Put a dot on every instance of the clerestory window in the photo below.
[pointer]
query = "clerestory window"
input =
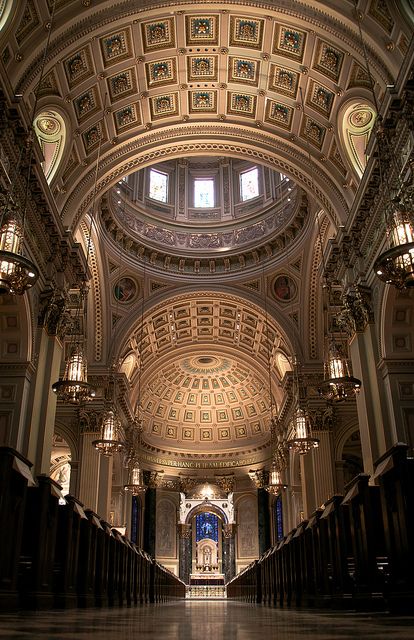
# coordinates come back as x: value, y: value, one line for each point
x: 249, y: 184
x: 158, y: 187
x: 204, y: 192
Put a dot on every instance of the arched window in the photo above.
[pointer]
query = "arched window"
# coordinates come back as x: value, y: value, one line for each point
x: 51, y: 132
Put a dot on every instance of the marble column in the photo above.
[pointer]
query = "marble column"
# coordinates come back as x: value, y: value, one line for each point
x: 149, y: 519
x: 323, y: 467
x: 308, y: 484
x: 371, y: 400
x: 15, y: 384
x: 42, y: 418
x: 184, y: 535
x: 399, y: 388
x: 89, y: 472
x: 263, y: 520
x: 363, y: 349
x: 229, y: 551
x: 105, y: 486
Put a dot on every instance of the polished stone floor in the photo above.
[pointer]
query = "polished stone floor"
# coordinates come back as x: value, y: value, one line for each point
x: 202, y: 620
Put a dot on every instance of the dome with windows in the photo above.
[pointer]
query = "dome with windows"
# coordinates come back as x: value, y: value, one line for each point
x: 205, y: 214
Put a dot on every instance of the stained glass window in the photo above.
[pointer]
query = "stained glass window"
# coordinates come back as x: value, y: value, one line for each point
x: 249, y: 184
x: 206, y: 526
x: 204, y: 192
x: 135, y: 519
x: 279, y: 518
x: 158, y: 189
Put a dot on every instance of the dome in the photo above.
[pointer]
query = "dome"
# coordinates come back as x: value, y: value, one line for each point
x: 199, y: 403
x: 204, y: 214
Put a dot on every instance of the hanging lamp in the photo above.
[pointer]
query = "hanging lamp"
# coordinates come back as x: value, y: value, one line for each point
x: 275, y: 484
x: 136, y: 483
x: 395, y: 265
x: 112, y: 438
x: 110, y: 441
x: 17, y: 272
x: 273, y: 479
x: 338, y: 383
x: 74, y: 386
x: 301, y: 440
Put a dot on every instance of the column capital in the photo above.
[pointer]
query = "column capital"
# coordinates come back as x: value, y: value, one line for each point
x: 229, y: 530
x: 52, y: 313
x: 184, y: 531
x: 357, y: 310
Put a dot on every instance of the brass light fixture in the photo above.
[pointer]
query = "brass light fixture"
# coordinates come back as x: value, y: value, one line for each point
x: 17, y: 272
x: 110, y: 441
x: 73, y: 387
x: 112, y: 437
x: 338, y: 383
x: 136, y: 483
x: 395, y: 265
x: 301, y: 440
x: 275, y: 484
x: 273, y: 479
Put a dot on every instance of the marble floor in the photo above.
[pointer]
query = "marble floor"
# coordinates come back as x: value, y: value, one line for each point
x: 200, y: 620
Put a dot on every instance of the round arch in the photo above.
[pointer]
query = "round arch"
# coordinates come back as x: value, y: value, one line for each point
x: 190, y: 139
x: 204, y: 507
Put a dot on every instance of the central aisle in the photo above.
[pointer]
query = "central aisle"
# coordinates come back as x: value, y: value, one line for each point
x: 201, y: 620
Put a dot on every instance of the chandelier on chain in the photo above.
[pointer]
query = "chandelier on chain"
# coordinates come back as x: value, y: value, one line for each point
x: 110, y: 440
x: 395, y: 265
x: 73, y: 387
x: 17, y: 271
x: 338, y: 383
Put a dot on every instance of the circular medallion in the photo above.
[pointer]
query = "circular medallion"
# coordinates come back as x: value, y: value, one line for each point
x: 125, y: 290
x: 284, y: 288
x: 360, y: 118
x: 48, y: 125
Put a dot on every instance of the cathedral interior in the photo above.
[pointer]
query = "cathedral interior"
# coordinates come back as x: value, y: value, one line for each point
x: 206, y: 294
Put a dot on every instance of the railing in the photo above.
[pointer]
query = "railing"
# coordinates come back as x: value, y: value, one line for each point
x: 66, y: 556
x: 353, y: 553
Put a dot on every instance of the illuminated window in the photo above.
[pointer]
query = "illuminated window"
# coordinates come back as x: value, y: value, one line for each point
x: 204, y: 192
x: 249, y: 184
x: 158, y: 189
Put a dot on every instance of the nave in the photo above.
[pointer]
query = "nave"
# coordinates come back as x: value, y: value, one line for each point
x: 196, y: 620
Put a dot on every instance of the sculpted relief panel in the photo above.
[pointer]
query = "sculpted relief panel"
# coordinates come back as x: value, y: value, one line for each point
x: 247, y: 530
x: 166, y: 543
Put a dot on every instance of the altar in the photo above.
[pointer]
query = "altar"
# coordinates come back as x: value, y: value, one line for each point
x: 208, y: 579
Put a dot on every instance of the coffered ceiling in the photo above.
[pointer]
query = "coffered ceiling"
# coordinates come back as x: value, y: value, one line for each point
x: 268, y: 82
x: 280, y: 84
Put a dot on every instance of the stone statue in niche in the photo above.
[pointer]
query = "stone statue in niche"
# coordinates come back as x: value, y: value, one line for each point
x: 207, y: 556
